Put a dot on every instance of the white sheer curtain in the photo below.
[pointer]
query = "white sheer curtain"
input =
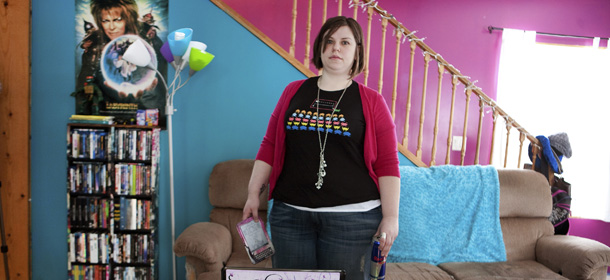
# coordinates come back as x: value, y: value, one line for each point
x: 556, y: 88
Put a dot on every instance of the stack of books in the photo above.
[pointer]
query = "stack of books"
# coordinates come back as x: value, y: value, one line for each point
x: 92, y: 119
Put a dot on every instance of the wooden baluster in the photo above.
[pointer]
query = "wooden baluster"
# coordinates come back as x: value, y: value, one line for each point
x: 454, y: 82
x: 465, y: 131
x: 355, y: 16
x: 339, y: 7
x: 479, y: 130
x: 324, y: 10
x: 493, y: 137
x: 423, y: 106
x: 384, y: 27
x: 395, y: 88
x: 368, y: 45
x: 535, y: 151
x: 508, y: 127
x: 405, y: 139
x: 308, y: 36
x: 293, y: 32
x: 521, y: 139
x: 441, y: 71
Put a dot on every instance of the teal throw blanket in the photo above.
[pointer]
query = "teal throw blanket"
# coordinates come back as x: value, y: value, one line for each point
x: 449, y: 214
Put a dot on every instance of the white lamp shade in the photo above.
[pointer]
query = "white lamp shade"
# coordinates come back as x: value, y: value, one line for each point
x: 137, y: 54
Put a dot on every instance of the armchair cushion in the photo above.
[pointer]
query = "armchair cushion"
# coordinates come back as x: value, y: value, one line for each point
x: 209, y: 242
x: 524, y: 193
x: 574, y: 257
x: 521, y: 235
x: 500, y: 270
x: 229, y: 184
x: 415, y: 270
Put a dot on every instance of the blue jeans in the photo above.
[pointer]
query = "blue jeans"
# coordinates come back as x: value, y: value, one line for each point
x: 322, y: 240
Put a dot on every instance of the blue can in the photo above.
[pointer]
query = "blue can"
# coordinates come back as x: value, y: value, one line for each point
x: 377, y: 263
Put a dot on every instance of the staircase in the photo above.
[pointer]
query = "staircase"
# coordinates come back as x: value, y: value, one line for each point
x: 438, y: 111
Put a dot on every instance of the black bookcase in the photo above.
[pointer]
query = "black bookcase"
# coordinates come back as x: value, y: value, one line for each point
x: 112, y: 212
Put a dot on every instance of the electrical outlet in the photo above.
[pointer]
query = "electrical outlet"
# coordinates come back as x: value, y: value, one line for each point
x: 456, y: 144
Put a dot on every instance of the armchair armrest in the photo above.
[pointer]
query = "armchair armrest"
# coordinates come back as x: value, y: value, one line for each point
x: 210, y: 243
x: 573, y: 257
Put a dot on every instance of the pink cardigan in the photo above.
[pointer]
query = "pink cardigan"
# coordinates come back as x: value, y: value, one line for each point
x: 380, y: 144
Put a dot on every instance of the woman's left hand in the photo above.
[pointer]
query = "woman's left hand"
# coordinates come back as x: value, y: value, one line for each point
x: 389, y: 226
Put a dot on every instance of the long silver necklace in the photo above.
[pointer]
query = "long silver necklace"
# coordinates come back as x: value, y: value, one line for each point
x: 323, y: 165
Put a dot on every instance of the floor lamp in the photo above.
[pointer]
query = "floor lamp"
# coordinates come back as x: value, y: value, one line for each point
x: 179, y: 51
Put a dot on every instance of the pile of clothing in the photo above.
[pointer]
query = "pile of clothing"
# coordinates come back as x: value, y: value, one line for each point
x: 548, y: 162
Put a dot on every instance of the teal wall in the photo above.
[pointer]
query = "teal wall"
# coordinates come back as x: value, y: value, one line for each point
x: 222, y: 114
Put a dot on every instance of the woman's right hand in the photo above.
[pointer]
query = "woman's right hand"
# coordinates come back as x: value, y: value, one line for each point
x: 251, y: 207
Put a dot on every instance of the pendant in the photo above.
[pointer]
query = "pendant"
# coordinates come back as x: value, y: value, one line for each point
x: 321, y: 172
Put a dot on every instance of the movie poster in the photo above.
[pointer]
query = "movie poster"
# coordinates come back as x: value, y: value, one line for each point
x: 105, y: 83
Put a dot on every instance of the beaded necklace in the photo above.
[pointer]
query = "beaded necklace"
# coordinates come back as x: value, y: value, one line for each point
x: 321, y: 168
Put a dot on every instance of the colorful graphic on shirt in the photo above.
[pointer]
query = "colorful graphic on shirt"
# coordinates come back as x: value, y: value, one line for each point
x: 307, y: 120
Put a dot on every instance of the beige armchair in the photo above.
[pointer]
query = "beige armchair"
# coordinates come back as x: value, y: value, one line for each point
x: 208, y: 246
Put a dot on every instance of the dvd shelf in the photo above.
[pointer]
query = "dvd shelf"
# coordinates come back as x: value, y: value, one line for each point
x: 112, y: 201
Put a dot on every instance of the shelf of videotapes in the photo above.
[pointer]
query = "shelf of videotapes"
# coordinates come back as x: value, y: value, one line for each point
x: 112, y: 201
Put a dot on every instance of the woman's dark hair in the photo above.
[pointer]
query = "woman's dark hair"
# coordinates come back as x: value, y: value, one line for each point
x: 331, y: 26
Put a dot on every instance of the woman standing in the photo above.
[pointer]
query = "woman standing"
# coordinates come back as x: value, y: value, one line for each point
x: 330, y: 158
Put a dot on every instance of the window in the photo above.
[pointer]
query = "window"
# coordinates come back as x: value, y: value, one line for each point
x: 557, y: 88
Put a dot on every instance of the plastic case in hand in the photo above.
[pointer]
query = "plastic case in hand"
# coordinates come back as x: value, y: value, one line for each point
x: 256, y: 240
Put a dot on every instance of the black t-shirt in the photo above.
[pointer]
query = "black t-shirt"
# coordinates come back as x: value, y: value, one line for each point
x: 347, y: 179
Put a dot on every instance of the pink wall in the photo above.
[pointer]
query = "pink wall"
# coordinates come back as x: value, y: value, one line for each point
x: 455, y: 29
x: 458, y: 31
x: 594, y: 229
